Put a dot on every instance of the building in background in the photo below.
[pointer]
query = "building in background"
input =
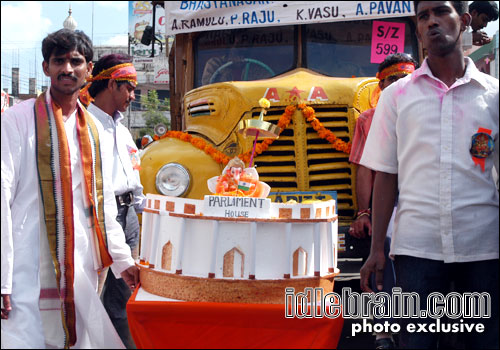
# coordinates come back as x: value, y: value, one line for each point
x: 146, y: 81
x: 152, y: 67
x: 152, y: 71
x: 486, y: 57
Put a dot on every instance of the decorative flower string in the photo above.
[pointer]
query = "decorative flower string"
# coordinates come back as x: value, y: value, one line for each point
x: 199, y: 143
x: 283, y: 123
x: 323, y: 132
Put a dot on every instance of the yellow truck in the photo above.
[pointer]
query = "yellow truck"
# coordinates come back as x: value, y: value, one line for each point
x: 229, y: 54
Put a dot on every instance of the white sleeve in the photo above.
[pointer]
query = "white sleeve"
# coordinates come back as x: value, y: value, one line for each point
x: 380, y: 152
x: 117, y: 247
x: 11, y: 158
x: 139, y: 197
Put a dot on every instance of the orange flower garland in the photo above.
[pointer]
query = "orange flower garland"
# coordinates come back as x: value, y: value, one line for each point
x: 283, y: 123
x: 323, y: 132
x: 199, y: 143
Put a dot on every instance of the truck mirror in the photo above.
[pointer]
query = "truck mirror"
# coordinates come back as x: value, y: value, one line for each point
x: 160, y: 129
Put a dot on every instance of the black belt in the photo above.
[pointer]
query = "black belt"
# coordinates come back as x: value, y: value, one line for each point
x: 125, y: 199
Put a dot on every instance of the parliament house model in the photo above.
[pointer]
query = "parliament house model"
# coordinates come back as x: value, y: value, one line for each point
x: 236, y: 249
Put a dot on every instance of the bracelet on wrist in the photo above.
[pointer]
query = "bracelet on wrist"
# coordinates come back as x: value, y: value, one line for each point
x: 361, y: 215
x: 364, y: 212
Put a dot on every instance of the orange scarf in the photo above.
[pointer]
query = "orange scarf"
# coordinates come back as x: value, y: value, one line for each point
x: 54, y: 173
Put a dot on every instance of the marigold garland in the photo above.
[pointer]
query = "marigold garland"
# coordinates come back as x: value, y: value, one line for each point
x: 283, y: 123
x: 323, y: 132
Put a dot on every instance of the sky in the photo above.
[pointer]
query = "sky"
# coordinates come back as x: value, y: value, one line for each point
x: 24, y: 25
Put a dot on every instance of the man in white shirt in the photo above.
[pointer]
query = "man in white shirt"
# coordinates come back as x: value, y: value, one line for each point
x: 432, y: 138
x: 391, y: 69
x: 111, y: 88
x: 58, y: 212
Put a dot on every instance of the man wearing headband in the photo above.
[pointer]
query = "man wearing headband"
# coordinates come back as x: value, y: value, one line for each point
x: 432, y: 142
x: 111, y: 90
x: 393, y: 67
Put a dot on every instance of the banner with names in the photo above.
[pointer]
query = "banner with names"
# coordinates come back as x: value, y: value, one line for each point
x: 194, y: 16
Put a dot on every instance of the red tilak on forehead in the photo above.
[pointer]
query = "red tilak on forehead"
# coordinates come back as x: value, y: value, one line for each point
x: 68, y: 56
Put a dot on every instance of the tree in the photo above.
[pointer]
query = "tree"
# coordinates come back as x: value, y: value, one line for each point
x: 154, y: 114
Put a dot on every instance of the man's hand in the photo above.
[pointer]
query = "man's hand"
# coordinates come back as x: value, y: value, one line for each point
x: 6, y: 307
x: 374, y: 264
x: 360, y: 226
x: 480, y: 38
x: 131, y: 277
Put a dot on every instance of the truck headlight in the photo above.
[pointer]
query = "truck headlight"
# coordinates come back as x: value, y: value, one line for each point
x: 172, y: 180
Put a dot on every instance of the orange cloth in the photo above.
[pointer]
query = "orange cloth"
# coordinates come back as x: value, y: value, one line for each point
x: 178, y: 324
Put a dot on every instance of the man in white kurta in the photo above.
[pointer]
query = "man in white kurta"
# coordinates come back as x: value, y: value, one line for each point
x: 24, y: 240
x: 21, y: 234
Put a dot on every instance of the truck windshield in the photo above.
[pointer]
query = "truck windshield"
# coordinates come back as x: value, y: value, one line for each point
x: 343, y: 49
x: 336, y: 49
x: 249, y: 54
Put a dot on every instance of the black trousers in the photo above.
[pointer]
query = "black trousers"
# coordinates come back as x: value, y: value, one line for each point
x: 425, y: 276
x: 116, y: 294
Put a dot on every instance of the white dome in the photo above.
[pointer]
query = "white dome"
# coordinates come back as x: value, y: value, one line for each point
x: 70, y: 23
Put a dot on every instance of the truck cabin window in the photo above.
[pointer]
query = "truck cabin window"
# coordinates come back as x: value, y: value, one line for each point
x: 336, y: 49
x: 343, y: 49
x: 244, y: 54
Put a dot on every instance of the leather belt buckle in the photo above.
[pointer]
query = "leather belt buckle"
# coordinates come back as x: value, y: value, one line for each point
x: 125, y: 199
x: 130, y: 198
x: 119, y: 201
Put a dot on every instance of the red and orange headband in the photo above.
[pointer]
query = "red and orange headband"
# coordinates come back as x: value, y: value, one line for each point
x: 120, y: 72
x: 396, y: 68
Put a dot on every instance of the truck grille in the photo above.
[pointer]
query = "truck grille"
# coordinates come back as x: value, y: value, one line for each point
x: 201, y: 108
x: 322, y: 168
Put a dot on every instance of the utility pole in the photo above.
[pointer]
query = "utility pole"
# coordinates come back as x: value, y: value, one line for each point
x: 130, y: 105
x: 92, y: 21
